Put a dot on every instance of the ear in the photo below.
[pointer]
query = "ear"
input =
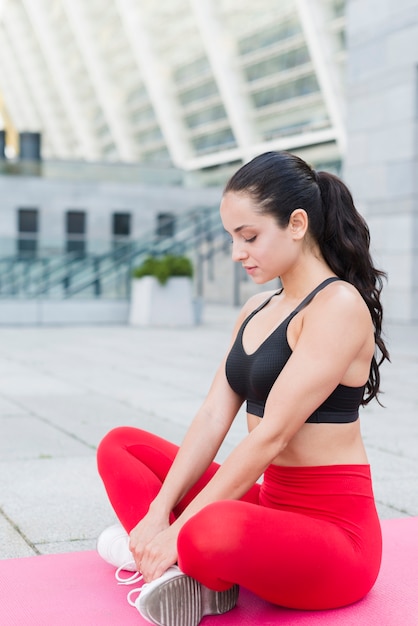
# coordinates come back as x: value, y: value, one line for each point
x: 298, y: 223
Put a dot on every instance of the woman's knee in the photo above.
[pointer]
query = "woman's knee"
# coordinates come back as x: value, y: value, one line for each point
x: 208, y: 539
x: 111, y: 444
x: 213, y: 530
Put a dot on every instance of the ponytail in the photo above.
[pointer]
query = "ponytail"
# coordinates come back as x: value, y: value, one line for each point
x: 280, y: 182
x: 345, y: 243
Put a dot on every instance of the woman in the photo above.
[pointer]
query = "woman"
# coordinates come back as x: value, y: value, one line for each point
x: 303, y: 359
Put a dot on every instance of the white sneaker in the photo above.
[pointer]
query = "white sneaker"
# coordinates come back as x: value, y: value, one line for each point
x: 113, y: 547
x: 175, y: 599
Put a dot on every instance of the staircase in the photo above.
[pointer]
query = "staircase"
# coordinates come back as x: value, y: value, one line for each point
x: 198, y: 234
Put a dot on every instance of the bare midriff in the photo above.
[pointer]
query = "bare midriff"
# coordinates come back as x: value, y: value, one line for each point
x: 321, y: 444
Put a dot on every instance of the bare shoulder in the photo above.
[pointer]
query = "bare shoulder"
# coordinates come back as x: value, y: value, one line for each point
x: 341, y: 303
x: 341, y: 294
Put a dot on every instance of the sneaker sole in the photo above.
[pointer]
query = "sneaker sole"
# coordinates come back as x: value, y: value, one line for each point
x: 182, y: 601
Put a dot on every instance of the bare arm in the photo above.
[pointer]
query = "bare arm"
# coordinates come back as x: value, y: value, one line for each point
x: 198, y: 449
x: 205, y: 434
x: 201, y: 443
x: 331, y: 338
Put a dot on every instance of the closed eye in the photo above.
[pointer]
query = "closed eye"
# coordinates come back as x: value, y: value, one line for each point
x: 246, y: 240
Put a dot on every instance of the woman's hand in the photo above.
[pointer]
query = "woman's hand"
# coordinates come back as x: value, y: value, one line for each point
x: 158, y: 554
x: 153, y: 543
x: 144, y: 532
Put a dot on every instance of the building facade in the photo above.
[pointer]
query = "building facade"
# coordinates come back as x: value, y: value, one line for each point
x: 193, y: 88
x: 380, y: 163
x: 198, y: 84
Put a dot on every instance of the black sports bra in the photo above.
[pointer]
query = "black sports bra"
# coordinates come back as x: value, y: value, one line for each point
x: 253, y: 375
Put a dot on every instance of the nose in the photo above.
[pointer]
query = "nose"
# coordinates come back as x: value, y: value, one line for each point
x: 238, y: 252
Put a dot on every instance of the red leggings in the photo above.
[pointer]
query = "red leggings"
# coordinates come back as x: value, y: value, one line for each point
x: 306, y: 538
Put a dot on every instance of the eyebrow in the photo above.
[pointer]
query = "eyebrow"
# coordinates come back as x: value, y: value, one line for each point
x: 239, y: 228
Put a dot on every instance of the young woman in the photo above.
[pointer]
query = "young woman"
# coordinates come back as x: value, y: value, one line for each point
x: 303, y: 358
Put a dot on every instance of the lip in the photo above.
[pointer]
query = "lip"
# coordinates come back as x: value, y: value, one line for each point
x: 249, y: 269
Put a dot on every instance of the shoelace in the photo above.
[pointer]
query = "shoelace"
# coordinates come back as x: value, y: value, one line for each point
x: 136, y: 577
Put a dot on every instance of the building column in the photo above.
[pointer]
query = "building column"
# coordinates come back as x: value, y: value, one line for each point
x: 221, y: 54
x: 96, y: 68
x: 157, y: 81
x: 60, y: 77
x: 314, y: 25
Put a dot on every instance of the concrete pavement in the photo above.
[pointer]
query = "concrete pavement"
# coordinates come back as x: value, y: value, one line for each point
x: 63, y: 388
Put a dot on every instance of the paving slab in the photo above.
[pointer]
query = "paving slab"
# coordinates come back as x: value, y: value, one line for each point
x: 62, y: 388
x: 54, y: 500
x: 10, y: 408
x: 12, y: 544
x: 87, y: 416
x: 28, y: 436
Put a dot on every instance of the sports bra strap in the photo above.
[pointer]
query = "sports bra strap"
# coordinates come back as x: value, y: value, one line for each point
x: 298, y: 308
x: 265, y: 302
x: 313, y: 293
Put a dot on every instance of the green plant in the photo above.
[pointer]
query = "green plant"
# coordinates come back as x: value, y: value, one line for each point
x: 164, y: 267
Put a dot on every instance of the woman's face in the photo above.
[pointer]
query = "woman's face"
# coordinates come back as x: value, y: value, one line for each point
x: 265, y: 250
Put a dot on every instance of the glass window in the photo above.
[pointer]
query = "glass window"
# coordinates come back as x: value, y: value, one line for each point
x: 27, y: 220
x: 76, y: 230
x: 159, y: 155
x: 121, y: 224
x: 198, y: 93
x: 121, y: 231
x: 205, y: 116
x: 76, y: 222
x: 150, y: 135
x: 76, y: 248
x: 166, y: 223
x: 143, y: 115
x: 279, y: 63
x: 224, y: 138
x: 292, y: 120
x: 287, y: 91
x: 195, y: 68
x: 28, y: 226
x: 269, y: 36
x: 27, y: 248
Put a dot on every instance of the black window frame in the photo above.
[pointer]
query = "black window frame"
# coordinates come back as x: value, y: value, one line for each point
x: 123, y: 219
x: 28, y: 219
x: 75, y: 233
x: 165, y: 225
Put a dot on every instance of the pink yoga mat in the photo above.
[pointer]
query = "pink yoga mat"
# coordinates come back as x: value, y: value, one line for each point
x: 79, y: 589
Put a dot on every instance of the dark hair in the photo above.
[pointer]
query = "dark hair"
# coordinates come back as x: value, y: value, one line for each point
x: 280, y: 182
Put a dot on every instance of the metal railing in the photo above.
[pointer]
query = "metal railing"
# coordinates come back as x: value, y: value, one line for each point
x: 108, y: 275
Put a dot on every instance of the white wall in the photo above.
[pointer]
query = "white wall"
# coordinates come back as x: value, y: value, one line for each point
x: 99, y: 199
x: 381, y: 161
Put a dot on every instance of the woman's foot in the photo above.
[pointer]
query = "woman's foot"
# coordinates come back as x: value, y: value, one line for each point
x: 113, y: 547
x: 175, y: 599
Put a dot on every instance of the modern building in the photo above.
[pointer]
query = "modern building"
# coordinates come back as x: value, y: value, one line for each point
x: 137, y: 97
x: 191, y: 83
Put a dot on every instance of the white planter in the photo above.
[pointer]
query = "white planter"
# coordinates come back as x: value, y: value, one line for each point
x: 153, y: 304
